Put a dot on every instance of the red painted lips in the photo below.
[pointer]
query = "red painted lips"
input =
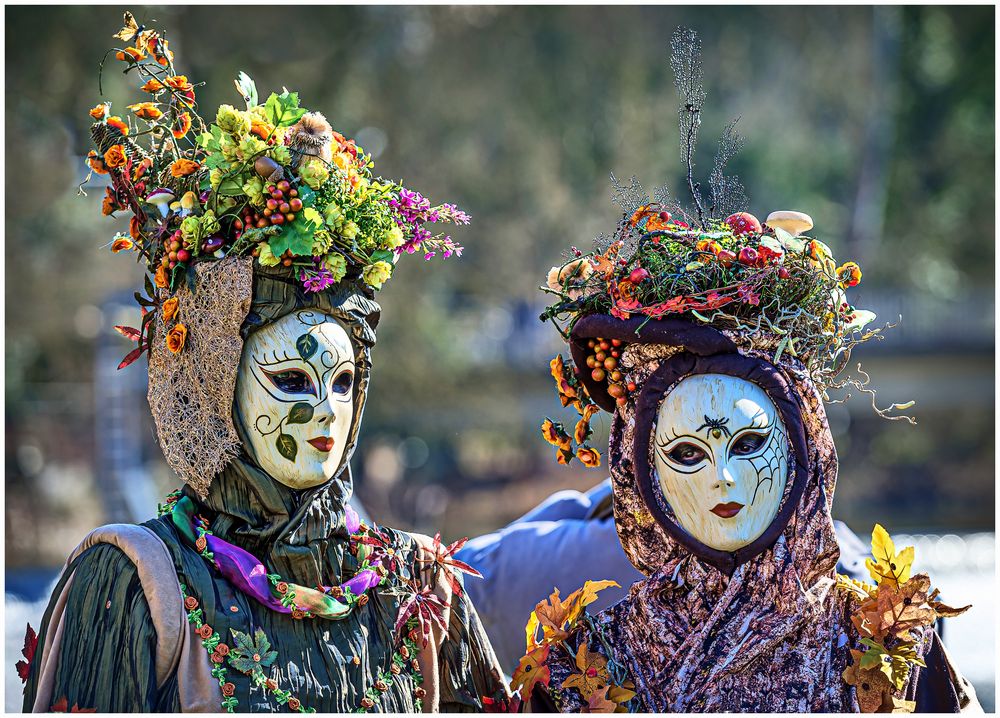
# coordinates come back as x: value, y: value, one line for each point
x: 322, y: 443
x: 727, y: 511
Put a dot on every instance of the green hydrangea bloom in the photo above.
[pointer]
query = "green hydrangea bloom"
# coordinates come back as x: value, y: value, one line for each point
x: 393, y: 238
x: 250, y: 146
x: 337, y: 265
x: 314, y: 173
x: 231, y: 120
x: 349, y: 230
x: 254, y: 189
x: 215, y: 177
x: 266, y: 257
x: 280, y: 154
x: 322, y: 241
x: 190, y: 229
x: 334, y: 216
x: 209, y: 224
x: 376, y: 274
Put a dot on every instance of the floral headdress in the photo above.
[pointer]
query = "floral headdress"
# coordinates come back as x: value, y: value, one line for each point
x: 767, y: 285
x: 272, y: 181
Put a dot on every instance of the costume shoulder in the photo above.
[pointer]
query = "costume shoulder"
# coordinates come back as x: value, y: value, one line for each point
x: 98, y: 624
x: 466, y: 666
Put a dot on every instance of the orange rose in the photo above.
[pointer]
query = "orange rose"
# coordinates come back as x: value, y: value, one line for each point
x: 121, y: 243
x: 170, y: 308
x: 555, y: 434
x: 153, y: 86
x: 160, y: 278
x: 96, y: 163
x: 183, y: 167
x: 205, y: 631
x: 129, y: 54
x: 582, y: 430
x: 190, y: 603
x: 115, y: 157
x: 228, y: 689
x: 294, y: 703
x: 179, y: 82
x: 135, y: 228
x: 849, y: 275
x: 118, y: 124
x: 109, y: 204
x: 99, y: 112
x: 161, y: 52
x: 146, y: 110
x: 564, y: 456
x: 588, y: 457
x: 176, y: 338
x: 181, y: 125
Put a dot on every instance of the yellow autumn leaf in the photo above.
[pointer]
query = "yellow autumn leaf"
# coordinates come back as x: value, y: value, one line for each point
x: 887, y: 564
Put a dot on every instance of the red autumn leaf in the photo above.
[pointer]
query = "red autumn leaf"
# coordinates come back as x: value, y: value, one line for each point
x: 62, y: 706
x: 128, y: 332
x: 447, y: 564
x: 30, y: 644
x: 131, y: 356
x: 502, y: 704
x: 423, y: 604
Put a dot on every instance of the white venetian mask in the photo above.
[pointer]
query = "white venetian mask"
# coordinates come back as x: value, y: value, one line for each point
x: 721, y: 458
x: 295, y: 394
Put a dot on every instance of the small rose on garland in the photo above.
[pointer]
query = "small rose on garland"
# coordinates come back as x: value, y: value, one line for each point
x: 849, y: 275
x: 184, y: 167
x: 588, y: 456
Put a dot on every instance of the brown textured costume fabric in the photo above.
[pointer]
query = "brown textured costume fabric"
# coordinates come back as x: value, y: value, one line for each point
x: 774, y: 634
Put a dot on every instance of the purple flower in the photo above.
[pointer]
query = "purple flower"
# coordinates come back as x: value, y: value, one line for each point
x: 318, y: 279
x: 352, y: 520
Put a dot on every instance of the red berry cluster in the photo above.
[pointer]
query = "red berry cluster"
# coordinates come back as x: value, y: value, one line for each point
x: 603, y: 365
x: 175, y: 249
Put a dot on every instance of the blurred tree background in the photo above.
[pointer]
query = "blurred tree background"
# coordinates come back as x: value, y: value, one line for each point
x: 877, y: 122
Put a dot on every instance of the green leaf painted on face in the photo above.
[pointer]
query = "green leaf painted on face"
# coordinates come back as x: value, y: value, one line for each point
x: 307, y: 345
x: 287, y: 446
x: 300, y: 413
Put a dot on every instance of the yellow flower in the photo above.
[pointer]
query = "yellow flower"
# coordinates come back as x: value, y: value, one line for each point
x: 375, y: 275
x: 176, y: 338
x: 170, y: 308
x: 394, y: 237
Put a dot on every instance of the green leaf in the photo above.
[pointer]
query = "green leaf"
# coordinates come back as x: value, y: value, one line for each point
x: 296, y: 237
x: 382, y: 255
x: 231, y: 187
x: 782, y: 345
x: 283, y: 110
x: 790, y: 243
x: 247, y: 88
x: 307, y: 194
x: 300, y: 413
x: 287, y: 446
x: 307, y: 345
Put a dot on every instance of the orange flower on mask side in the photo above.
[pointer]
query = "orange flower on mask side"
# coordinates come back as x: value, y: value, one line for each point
x: 170, y: 308
x: 120, y: 244
x: 115, y: 157
x: 566, y: 392
x: 99, y: 112
x: 160, y: 278
x: 130, y: 54
x: 582, y: 431
x: 556, y: 435
x: 135, y: 228
x: 176, y: 338
x: 849, y: 275
x: 589, y: 457
x: 146, y: 110
x: 96, y: 163
x: 182, y: 125
x: 152, y: 86
x: 183, y: 167
x: 118, y: 124
x: 109, y: 204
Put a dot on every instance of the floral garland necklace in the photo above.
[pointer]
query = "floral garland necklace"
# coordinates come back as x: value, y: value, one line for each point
x: 420, y: 608
x: 245, y: 572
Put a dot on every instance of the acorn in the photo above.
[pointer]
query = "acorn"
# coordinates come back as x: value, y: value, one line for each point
x: 266, y: 167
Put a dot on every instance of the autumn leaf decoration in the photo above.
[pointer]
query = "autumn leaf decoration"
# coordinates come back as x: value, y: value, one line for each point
x: 30, y: 644
x: 555, y: 619
x: 141, y: 335
x: 571, y: 392
x: 888, y: 616
x: 422, y: 603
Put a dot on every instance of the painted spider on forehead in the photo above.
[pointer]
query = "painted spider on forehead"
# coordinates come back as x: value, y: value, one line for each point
x: 716, y: 427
